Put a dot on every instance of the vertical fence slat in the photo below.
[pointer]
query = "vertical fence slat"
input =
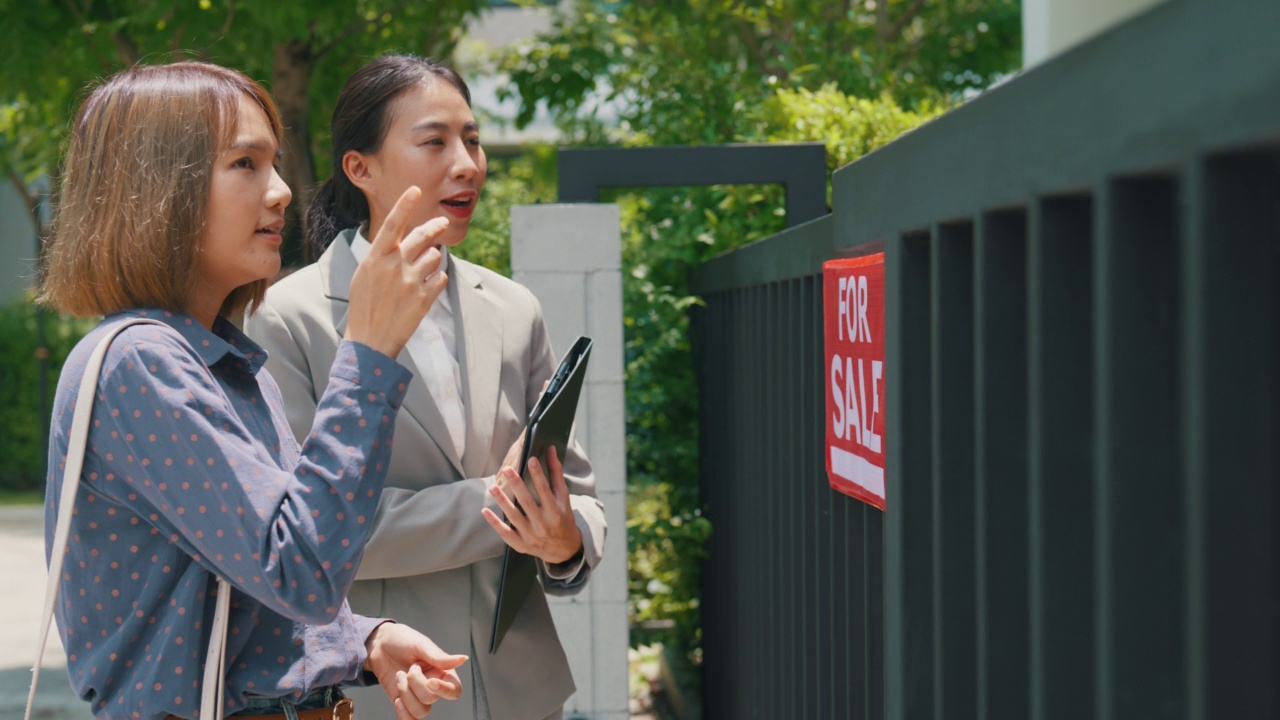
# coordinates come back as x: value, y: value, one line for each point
x: 1000, y: 464
x: 765, y: 621
x: 739, y: 502
x: 1231, y: 436
x: 814, y: 479
x: 908, y: 552
x: 953, y: 503
x: 875, y: 615
x: 854, y: 546
x: 751, y: 524
x: 1060, y: 425
x: 745, y: 521
x: 825, y: 641
x: 1138, y: 479
x: 720, y: 516
x: 791, y: 481
x: 725, y: 525
x: 708, y: 326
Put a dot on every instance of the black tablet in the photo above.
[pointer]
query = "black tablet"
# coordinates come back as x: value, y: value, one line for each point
x: 549, y: 426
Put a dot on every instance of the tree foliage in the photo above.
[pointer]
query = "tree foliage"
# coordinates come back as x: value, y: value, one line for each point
x: 685, y: 72
x: 303, y: 50
x: 853, y: 75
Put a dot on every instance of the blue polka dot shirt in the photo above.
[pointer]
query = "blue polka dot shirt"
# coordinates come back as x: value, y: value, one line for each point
x: 192, y: 471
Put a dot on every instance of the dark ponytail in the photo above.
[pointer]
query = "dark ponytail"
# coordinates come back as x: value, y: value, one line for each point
x: 336, y: 206
x: 361, y: 119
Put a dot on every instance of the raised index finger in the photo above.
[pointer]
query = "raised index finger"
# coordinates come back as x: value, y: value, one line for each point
x: 397, y: 222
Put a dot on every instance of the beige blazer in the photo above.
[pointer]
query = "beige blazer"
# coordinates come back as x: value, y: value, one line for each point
x: 432, y: 561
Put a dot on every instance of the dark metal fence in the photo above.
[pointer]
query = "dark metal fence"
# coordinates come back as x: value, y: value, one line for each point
x: 1083, y: 405
x: 793, y: 591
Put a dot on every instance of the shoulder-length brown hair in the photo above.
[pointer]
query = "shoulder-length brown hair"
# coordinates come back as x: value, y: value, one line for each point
x: 135, y: 189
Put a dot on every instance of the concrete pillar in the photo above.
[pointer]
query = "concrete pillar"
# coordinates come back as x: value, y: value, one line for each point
x: 570, y: 256
x: 1051, y: 26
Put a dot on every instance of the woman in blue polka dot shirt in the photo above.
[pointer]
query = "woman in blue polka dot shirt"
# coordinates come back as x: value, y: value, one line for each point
x: 171, y: 208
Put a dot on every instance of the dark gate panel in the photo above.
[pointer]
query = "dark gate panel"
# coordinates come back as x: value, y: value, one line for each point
x: 1082, y: 290
x: 792, y: 592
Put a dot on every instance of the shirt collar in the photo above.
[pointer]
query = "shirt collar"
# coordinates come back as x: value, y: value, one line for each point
x: 212, y: 346
x: 360, y: 247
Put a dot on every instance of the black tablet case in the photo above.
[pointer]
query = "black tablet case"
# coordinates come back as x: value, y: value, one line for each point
x: 549, y: 426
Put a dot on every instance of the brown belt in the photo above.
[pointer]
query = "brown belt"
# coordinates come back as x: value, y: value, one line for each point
x: 344, y: 709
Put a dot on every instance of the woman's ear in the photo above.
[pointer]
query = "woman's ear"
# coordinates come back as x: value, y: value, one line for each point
x: 359, y: 170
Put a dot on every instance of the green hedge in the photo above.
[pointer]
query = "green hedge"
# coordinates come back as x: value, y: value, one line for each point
x: 23, y: 420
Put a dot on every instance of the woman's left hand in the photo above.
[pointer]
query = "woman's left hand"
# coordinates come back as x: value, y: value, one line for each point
x: 413, y: 670
x: 542, y: 526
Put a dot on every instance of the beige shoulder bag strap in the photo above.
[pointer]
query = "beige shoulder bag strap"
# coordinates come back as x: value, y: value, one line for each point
x: 211, y: 696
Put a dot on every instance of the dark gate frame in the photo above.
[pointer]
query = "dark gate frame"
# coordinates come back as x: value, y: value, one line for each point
x: 800, y: 168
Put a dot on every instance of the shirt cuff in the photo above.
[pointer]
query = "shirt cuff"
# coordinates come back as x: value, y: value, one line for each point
x: 372, y: 370
x: 566, y: 571
x: 364, y: 628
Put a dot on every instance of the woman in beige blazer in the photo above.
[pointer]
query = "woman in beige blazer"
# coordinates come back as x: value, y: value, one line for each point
x: 435, y: 552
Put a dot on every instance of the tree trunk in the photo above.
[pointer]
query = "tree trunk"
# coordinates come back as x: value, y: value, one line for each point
x: 290, y: 83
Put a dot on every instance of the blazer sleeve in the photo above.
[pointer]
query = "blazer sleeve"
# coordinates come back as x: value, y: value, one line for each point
x: 569, y: 577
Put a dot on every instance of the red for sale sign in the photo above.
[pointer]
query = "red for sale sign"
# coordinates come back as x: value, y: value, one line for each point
x: 853, y: 326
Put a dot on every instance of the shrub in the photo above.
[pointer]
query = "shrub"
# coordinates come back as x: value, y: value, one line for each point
x: 27, y: 386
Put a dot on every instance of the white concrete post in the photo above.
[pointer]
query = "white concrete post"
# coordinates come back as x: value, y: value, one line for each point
x: 570, y: 256
x: 1051, y: 26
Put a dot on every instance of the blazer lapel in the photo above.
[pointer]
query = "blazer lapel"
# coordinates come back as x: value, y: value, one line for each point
x: 337, y: 267
x: 480, y: 360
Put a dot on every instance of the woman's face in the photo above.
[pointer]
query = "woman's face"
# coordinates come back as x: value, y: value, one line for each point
x: 432, y: 142
x: 247, y: 198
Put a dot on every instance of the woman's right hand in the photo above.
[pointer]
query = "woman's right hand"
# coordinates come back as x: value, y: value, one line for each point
x: 413, y: 671
x: 396, y: 283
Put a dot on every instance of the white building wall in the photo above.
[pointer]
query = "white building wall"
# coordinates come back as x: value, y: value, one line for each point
x: 17, y: 246
x: 570, y: 256
x: 1052, y: 26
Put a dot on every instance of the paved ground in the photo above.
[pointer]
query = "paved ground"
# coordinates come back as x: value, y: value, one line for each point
x: 22, y: 580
